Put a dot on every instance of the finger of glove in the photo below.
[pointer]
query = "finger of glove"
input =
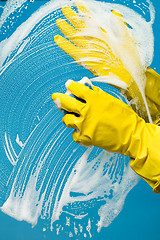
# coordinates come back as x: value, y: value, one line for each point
x: 66, y: 28
x: 73, y: 51
x: 73, y: 18
x: 75, y: 136
x: 72, y: 34
x: 71, y: 121
x: 119, y: 15
x: 121, y: 27
x: 68, y: 103
x: 79, y: 90
x: 85, y: 141
x: 69, y: 48
x: 81, y: 6
x: 76, y: 53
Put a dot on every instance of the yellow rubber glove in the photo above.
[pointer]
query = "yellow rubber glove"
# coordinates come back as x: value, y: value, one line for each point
x: 152, y: 92
x: 86, y: 48
x: 95, y: 52
x: 109, y: 123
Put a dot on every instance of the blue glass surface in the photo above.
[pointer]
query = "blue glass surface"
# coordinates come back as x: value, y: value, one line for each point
x: 139, y: 218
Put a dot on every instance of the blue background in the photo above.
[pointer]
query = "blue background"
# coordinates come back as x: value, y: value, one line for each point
x: 139, y: 218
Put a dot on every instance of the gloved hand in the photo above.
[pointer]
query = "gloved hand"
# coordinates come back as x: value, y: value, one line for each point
x: 95, y: 52
x: 108, y: 123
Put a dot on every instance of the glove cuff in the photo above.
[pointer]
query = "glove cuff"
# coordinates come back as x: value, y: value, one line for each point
x: 146, y: 163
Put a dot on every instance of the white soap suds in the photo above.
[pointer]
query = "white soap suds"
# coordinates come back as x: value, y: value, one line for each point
x: 9, y: 150
x: 57, y: 101
x: 113, y: 80
x: 18, y: 141
x: 9, y: 8
x: 26, y: 27
x: 26, y: 207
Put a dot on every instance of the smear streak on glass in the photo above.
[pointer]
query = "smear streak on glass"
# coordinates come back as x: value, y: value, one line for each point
x: 43, y: 173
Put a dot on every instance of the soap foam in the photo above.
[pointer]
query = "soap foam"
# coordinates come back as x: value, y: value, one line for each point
x: 9, y: 8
